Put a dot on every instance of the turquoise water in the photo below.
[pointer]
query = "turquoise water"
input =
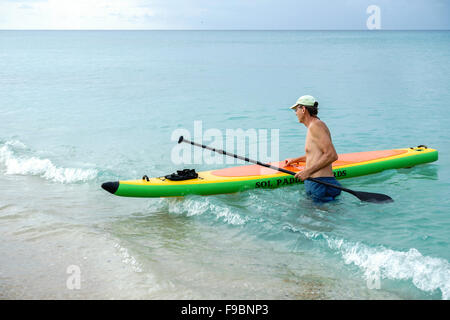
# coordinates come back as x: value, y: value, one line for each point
x: 81, y: 108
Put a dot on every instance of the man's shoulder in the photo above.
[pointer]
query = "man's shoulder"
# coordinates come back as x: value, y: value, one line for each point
x: 318, y: 125
x: 319, y: 129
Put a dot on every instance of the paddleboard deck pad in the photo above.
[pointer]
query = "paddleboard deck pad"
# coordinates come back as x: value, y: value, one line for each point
x: 240, y: 178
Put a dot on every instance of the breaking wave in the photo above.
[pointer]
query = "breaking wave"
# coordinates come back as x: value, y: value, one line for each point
x: 14, y: 161
x: 196, y: 207
x: 426, y: 273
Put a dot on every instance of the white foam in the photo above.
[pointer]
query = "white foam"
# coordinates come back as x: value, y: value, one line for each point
x: 127, y: 258
x: 426, y: 273
x: 194, y: 207
x: 26, y: 165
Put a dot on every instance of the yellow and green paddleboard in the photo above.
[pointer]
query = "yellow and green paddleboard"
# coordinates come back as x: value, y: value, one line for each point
x: 240, y: 178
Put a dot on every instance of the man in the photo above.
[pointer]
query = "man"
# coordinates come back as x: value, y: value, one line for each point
x: 320, y: 152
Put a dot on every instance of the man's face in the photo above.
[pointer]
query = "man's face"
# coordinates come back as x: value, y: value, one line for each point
x: 300, y: 112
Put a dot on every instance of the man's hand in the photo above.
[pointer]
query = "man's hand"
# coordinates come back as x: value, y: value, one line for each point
x: 303, y: 175
x: 289, y: 161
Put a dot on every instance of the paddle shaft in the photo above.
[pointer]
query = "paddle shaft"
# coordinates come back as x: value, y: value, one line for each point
x: 260, y: 163
x: 361, y: 195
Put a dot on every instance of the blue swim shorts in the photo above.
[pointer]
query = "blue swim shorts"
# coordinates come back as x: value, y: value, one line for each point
x: 322, y: 193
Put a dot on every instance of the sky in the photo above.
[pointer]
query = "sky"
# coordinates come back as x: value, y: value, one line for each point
x: 224, y: 14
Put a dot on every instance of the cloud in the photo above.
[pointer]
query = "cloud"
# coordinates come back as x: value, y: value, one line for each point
x: 74, y: 14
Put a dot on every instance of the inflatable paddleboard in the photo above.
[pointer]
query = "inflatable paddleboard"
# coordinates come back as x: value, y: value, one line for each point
x: 240, y: 178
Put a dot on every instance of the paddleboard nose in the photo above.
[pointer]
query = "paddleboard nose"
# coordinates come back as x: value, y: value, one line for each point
x: 111, y: 186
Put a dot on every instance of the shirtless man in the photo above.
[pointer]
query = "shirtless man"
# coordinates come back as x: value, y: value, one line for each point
x: 319, y: 152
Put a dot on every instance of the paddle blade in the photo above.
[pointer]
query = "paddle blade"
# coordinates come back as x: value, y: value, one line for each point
x: 361, y: 195
x: 372, y: 197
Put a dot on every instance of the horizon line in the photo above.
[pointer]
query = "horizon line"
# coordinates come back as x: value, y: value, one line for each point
x: 224, y: 29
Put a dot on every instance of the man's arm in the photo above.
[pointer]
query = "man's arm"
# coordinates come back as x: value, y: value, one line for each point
x: 321, y: 138
x: 288, y: 162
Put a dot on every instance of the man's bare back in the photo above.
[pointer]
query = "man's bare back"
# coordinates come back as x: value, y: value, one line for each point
x: 319, y: 149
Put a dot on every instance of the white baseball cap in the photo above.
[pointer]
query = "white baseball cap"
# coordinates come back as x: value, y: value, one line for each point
x: 307, y: 100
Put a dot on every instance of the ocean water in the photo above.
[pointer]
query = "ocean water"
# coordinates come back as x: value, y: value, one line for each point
x: 81, y: 108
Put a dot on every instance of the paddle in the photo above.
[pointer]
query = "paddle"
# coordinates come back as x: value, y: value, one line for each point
x: 363, y: 196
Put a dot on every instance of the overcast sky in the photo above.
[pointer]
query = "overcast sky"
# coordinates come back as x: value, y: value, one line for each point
x: 223, y: 14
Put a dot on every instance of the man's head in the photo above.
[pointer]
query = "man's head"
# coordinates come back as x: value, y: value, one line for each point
x: 306, y: 104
